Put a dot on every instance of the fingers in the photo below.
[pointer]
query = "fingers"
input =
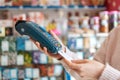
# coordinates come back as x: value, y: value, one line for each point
x: 56, y: 37
x: 73, y: 66
x: 80, y: 61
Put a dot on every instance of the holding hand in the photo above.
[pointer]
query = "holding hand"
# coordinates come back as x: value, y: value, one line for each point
x: 86, y: 68
x: 44, y: 49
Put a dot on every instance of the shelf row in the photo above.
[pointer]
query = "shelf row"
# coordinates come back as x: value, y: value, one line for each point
x: 31, y: 73
x: 87, y: 35
x: 53, y: 7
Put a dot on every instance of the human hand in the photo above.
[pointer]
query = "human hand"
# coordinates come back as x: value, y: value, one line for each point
x: 44, y: 49
x: 86, y: 68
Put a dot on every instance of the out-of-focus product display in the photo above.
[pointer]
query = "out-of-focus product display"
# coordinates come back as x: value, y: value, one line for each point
x: 95, y: 23
x: 82, y: 25
x: 104, y: 25
x: 113, y: 20
x: 50, y: 2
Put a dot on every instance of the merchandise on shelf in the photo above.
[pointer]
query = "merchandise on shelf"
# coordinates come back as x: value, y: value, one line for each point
x: 20, y: 60
x: 104, y: 25
x: 51, y: 2
x: 113, y: 19
x: 4, y: 60
x: 86, y: 2
x: 95, y: 25
x: 17, y: 2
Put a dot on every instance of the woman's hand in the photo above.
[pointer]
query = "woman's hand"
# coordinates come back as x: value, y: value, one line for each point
x: 44, y: 49
x: 86, y: 68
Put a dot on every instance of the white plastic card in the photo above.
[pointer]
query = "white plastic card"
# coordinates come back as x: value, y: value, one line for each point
x: 20, y: 59
x: 4, y: 60
x: 28, y: 72
x: 13, y: 73
x: 36, y: 73
x: 67, y: 57
x: 5, y: 45
x: 28, y: 45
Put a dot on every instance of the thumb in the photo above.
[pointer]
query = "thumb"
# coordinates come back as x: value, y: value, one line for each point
x: 56, y: 37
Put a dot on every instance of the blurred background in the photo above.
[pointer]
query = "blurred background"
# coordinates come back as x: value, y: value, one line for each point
x: 82, y: 25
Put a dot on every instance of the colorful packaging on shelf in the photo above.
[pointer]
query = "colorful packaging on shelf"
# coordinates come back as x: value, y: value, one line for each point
x: 27, y: 57
x: 36, y: 73
x: 54, y: 2
x: 8, y: 31
x: 1, y: 39
x: 79, y: 43
x: 104, y: 22
x: 27, y: 79
x: 71, y: 43
x: 50, y: 59
x: 4, y: 60
x: 6, y: 74
x: 86, y: 42
x: 50, y: 70
x: 102, y: 2
x: 28, y: 73
x: 20, y: 59
x: 8, y: 2
x: 6, y: 23
x: 12, y: 57
x: 2, y: 3
x: 95, y: 2
x: 14, y: 73
x: 43, y: 58
x: 44, y: 78
x: 12, y: 44
x: 5, y: 45
x: 36, y: 57
x: 113, y: 19
x: 37, y: 17
x: 93, y: 42
x: 27, y: 2
x: 28, y: 45
x: 43, y: 70
x: 95, y: 24
x: 17, y: 2
x: 76, y: 2
x: 66, y: 2
x: 2, y: 31
x: 86, y: 2
x: 21, y: 73
x: 20, y: 43
x: 43, y: 2
x: 35, y: 2
x: 58, y: 69
x: 53, y: 78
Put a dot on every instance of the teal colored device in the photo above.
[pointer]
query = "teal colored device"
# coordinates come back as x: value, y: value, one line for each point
x: 39, y: 34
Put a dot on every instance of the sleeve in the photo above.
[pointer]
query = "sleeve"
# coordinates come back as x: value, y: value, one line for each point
x: 110, y: 73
